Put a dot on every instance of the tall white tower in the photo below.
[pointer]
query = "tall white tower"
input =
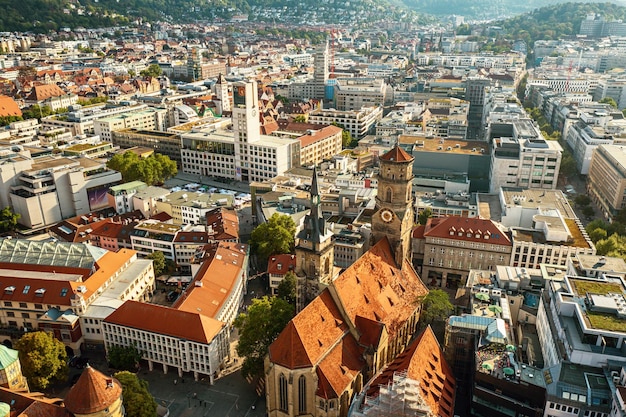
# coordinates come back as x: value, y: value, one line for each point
x: 246, y: 125
x: 221, y: 91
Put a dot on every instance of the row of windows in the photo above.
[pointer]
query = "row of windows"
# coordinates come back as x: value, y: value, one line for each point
x: 25, y: 305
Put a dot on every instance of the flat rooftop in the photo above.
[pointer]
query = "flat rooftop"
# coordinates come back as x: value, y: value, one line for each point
x: 423, y: 143
x: 533, y: 198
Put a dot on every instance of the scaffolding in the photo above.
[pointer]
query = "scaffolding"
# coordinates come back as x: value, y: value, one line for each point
x: 400, y: 397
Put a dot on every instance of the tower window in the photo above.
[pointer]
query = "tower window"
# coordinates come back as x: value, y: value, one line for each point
x: 282, y: 393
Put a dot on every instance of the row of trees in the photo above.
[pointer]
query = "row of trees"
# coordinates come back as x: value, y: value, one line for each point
x: 152, y: 170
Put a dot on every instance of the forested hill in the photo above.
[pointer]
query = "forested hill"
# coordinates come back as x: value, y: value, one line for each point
x: 557, y: 21
x: 480, y: 9
x: 45, y: 15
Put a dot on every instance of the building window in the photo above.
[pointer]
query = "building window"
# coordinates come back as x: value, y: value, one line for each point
x: 302, y: 395
x: 282, y: 392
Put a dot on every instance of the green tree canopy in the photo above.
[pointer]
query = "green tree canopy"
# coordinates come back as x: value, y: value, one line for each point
x: 138, y: 401
x: 158, y: 262
x: 8, y: 220
x: 423, y: 217
x: 258, y: 328
x: 287, y: 289
x: 154, y: 70
x: 346, y: 139
x: 275, y: 236
x: 124, y: 357
x: 43, y: 359
x: 300, y: 118
x: 610, y: 101
x: 436, y: 306
x: 152, y: 170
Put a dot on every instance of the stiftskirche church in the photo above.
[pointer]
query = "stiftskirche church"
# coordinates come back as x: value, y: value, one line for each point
x: 362, y: 319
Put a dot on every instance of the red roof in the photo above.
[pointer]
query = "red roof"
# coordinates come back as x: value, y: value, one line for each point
x: 8, y: 107
x: 281, y: 264
x: 374, y: 287
x: 467, y: 229
x: 316, y: 135
x: 423, y: 361
x: 310, y: 334
x: 165, y: 320
x: 418, y: 232
x: 397, y: 154
x: 93, y: 392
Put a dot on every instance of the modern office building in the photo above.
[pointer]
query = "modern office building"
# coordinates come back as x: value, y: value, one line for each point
x: 359, y: 122
x: 353, y: 94
x: 165, y: 143
x: 52, y: 189
x: 606, y: 182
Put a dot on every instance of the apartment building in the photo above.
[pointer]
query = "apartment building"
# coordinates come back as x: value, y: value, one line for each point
x: 55, y: 188
x: 121, y: 196
x: 320, y: 144
x: 606, y: 182
x: 359, y: 122
x: 80, y: 121
x: 584, y: 140
x: 277, y: 267
x: 528, y: 163
x: 145, y: 119
x: 353, y: 94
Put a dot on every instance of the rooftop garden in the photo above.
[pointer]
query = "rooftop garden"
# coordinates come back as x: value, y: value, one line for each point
x: 577, y: 235
x: 606, y: 322
x: 583, y: 287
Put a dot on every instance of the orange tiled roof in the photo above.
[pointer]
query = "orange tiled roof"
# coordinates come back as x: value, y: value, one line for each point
x: 44, y: 92
x: 318, y: 135
x: 374, y: 287
x: 418, y: 232
x: 281, y: 264
x: 225, y: 224
x: 424, y: 362
x: 57, y: 292
x: 107, y: 266
x: 8, y: 107
x: 467, y: 229
x: 214, y: 281
x: 339, y: 368
x: 310, y: 334
x: 397, y: 154
x: 167, y: 321
x: 93, y: 392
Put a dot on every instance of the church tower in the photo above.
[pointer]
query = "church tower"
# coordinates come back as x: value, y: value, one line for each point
x: 314, y: 251
x: 394, y: 203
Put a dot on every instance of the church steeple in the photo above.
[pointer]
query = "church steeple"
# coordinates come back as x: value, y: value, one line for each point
x: 315, y: 225
x: 314, y: 249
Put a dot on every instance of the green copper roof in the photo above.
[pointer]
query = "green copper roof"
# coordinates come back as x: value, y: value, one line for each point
x: 7, y: 357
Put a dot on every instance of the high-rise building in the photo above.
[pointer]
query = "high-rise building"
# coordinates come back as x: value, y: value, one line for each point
x: 476, y: 94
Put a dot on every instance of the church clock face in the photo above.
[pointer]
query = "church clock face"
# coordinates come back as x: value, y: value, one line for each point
x: 386, y: 215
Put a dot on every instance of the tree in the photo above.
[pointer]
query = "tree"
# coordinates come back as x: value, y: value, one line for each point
x: 124, y: 357
x: 258, y: 328
x: 275, y: 236
x: 610, y: 101
x: 346, y: 139
x: 287, y: 289
x: 588, y: 211
x: 8, y: 220
x: 423, y: 217
x: 158, y: 262
x: 43, y: 359
x: 568, y: 164
x: 138, y: 401
x: 582, y: 200
x: 435, y: 306
x: 154, y: 70
x: 152, y: 170
x: 301, y: 118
